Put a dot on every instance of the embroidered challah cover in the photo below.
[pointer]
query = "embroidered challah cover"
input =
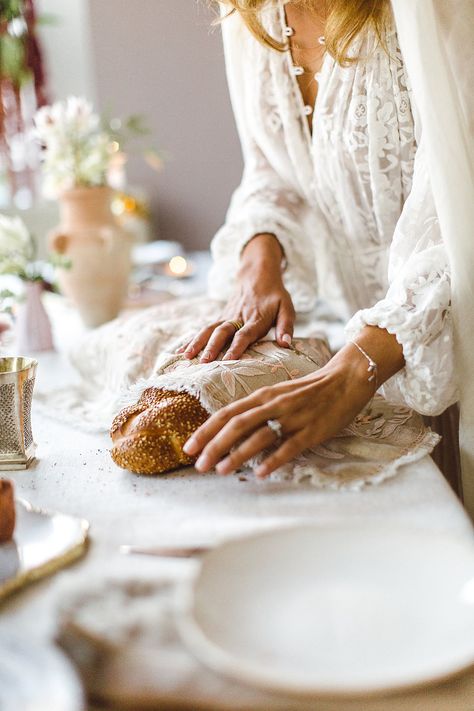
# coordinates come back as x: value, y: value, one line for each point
x: 118, y: 361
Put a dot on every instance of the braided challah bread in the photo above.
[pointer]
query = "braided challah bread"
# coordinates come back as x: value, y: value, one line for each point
x: 148, y: 437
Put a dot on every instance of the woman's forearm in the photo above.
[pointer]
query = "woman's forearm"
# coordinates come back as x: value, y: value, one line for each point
x: 381, y: 346
x: 310, y: 409
x: 260, y: 301
x: 264, y: 253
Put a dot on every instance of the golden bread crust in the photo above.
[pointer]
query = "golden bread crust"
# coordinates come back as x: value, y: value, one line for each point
x: 148, y: 437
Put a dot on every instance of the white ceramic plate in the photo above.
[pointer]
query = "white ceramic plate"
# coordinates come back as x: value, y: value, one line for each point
x: 42, y: 543
x: 36, y: 677
x: 334, y: 611
x: 155, y: 252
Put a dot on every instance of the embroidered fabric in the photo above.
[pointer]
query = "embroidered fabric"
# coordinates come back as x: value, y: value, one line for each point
x: 118, y: 361
x: 351, y: 205
x: 416, y: 308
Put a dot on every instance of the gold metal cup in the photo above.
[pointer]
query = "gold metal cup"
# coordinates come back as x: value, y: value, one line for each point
x: 17, y: 379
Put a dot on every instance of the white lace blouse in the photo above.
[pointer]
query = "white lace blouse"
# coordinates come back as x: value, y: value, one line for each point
x: 351, y: 204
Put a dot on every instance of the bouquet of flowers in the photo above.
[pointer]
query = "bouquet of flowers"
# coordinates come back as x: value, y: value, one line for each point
x: 18, y: 259
x: 22, y: 90
x: 77, y: 152
x: 79, y: 148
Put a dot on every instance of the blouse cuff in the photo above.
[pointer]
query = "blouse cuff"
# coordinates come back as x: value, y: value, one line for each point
x: 426, y: 383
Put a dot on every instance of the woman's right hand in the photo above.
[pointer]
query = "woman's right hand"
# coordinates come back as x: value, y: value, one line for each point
x: 260, y: 302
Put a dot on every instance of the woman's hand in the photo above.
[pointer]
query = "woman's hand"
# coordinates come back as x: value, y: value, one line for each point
x: 310, y: 410
x: 260, y: 302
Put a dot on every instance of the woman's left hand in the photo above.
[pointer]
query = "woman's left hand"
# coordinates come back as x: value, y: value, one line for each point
x: 310, y: 410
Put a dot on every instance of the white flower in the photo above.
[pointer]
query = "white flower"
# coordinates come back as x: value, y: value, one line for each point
x: 16, y: 246
x: 76, y: 150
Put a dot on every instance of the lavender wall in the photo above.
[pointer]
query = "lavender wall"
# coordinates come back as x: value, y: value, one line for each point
x: 161, y: 58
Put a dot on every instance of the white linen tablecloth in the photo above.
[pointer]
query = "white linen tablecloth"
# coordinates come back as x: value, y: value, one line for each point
x: 75, y: 474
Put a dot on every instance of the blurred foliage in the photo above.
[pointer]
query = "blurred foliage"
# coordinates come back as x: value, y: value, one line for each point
x: 133, y: 128
x: 14, y: 39
x: 10, y: 9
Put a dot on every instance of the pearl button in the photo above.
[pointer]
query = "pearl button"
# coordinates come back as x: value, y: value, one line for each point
x: 298, y: 71
x: 322, y: 40
x: 317, y: 76
x: 289, y: 31
x: 308, y: 110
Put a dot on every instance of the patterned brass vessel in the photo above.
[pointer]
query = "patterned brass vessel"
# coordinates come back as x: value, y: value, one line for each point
x: 17, y: 379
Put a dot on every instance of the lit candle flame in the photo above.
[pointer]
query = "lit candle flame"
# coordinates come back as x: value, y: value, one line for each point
x: 178, y: 266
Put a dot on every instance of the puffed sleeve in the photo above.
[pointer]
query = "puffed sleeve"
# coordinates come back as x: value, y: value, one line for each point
x: 417, y: 306
x: 264, y: 202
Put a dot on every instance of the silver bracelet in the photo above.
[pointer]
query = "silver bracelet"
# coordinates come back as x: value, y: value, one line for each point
x: 373, y: 367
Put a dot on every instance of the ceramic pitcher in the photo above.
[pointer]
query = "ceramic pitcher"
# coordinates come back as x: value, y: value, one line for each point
x: 98, y: 250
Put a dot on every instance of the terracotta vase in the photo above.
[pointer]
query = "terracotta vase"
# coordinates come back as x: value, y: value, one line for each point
x: 98, y: 250
x: 33, y: 327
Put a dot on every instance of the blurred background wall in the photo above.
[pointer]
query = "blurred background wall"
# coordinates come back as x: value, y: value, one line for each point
x: 160, y: 58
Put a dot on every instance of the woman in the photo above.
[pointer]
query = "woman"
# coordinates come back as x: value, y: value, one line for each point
x: 335, y: 200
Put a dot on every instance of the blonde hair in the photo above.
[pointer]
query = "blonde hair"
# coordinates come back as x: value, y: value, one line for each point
x: 346, y: 20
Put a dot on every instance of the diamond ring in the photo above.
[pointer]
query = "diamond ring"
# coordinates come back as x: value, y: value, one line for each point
x: 276, y: 427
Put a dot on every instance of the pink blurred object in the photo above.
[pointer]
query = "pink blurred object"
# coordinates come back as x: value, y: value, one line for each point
x: 33, y: 327
x: 5, y: 324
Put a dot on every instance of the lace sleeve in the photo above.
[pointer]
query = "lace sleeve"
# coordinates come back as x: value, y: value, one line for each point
x: 264, y: 202
x: 417, y: 307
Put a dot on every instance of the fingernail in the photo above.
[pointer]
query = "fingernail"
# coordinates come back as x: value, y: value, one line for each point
x: 202, y: 464
x: 191, y: 446
x: 224, y: 467
x: 286, y: 339
x: 261, y: 472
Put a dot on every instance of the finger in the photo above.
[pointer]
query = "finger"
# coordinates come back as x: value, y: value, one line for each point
x: 233, y: 432
x: 216, y: 422
x: 200, y: 341
x: 182, y: 347
x: 256, y: 443
x: 222, y: 335
x: 285, y: 453
x: 248, y: 334
x: 285, y: 323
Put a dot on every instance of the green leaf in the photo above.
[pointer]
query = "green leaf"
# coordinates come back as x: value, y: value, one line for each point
x: 136, y: 125
x: 12, y: 58
x: 60, y: 261
x: 9, y: 9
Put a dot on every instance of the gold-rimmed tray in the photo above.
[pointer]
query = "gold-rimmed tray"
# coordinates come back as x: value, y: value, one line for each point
x: 43, y: 543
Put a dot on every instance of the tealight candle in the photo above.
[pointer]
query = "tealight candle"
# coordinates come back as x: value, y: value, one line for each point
x: 179, y: 267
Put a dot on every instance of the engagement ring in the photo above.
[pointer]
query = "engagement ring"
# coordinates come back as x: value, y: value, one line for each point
x: 276, y: 428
